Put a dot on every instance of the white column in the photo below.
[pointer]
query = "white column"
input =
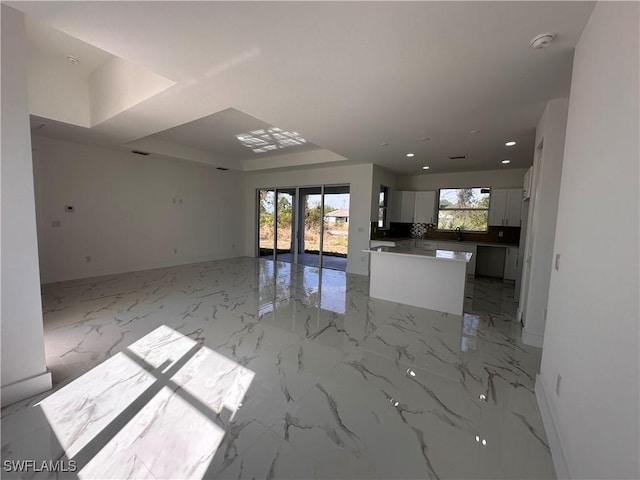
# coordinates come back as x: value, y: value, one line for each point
x: 24, y: 372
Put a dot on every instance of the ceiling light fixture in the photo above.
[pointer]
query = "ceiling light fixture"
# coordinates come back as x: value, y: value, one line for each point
x: 72, y: 60
x: 385, y: 144
x: 542, y: 41
x: 425, y: 139
x: 426, y: 167
x: 506, y: 161
x: 510, y: 143
x: 474, y: 132
x: 410, y: 154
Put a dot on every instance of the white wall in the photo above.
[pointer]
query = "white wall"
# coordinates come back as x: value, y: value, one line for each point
x: 541, y: 221
x: 507, y: 178
x: 24, y: 372
x: 125, y: 218
x: 592, y: 332
x: 359, y: 178
x: 382, y: 177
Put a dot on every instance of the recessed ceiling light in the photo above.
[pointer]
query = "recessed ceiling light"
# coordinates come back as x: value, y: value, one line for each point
x: 474, y: 132
x: 506, y: 161
x: 425, y: 139
x: 510, y: 143
x: 385, y: 144
x: 410, y: 154
x: 426, y: 167
x: 72, y: 60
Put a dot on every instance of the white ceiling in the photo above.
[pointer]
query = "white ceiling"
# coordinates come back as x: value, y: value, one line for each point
x: 217, y: 133
x: 56, y: 44
x: 347, y: 76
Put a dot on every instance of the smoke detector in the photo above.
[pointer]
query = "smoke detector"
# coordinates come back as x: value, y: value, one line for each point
x: 543, y: 40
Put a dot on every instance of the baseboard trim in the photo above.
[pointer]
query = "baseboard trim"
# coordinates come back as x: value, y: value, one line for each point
x: 26, y: 388
x: 102, y: 272
x: 557, y: 454
x: 532, y: 339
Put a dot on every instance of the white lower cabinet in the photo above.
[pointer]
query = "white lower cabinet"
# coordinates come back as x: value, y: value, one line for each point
x: 511, y: 263
x: 462, y: 247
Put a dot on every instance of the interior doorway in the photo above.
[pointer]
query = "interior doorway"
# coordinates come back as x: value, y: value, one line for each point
x: 306, y: 225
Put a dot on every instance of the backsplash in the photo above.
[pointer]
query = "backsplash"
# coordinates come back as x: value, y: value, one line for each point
x: 511, y: 235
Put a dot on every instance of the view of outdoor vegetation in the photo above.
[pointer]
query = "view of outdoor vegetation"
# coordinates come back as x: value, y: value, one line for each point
x: 335, y: 241
x: 464, y: 208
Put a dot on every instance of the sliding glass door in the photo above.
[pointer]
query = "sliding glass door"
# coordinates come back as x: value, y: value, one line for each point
x: 285, y: 233
x: 309, y: 247
x: 335, y: 228
x: 266, y: 222
x: 307, y: 225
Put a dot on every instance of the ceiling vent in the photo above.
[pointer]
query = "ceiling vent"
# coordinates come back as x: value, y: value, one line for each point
x: 222, y: 168
x: 140, y: 152
x: 457, y: 157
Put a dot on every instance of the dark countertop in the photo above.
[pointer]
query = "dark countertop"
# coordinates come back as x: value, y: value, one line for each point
x: 486, y: 243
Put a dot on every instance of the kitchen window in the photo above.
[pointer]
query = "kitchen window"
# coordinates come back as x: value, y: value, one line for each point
x: 464, y: 208
x: 383, y: 200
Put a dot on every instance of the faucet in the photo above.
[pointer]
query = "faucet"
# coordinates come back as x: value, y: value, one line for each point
x: 458, y: 234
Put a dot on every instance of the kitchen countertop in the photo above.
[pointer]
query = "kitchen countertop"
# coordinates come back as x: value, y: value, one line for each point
x: 463, y: 242
x: 419, y: 252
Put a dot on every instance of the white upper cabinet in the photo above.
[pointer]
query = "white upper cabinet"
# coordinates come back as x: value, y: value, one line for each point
x: 425, y: 207
x: 403, y: 207
x: 504, y: 207
x: 514, y: 207
x: 497, y: 207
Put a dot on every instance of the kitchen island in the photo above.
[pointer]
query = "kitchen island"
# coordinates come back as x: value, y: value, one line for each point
x: 433, y: 279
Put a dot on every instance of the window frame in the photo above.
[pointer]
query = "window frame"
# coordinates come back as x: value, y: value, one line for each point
x: 383, y: 206
x: 457, y: 209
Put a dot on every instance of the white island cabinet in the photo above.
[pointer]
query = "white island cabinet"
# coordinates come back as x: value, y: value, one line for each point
x: 433, y: 279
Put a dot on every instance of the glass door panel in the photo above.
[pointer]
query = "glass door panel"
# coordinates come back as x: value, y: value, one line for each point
x: 266, y: 222
x: 285, y: 220
x: 310, y: 226
x: 335, y: 239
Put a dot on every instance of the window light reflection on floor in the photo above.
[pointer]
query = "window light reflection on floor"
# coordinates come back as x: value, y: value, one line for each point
x: 151, y: 410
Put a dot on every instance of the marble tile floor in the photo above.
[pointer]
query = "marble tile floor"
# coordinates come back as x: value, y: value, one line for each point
x: 246, y: 368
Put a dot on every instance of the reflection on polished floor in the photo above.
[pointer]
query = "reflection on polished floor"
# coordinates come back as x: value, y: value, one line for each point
x: 246, y: 368
x: 313, y: 260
